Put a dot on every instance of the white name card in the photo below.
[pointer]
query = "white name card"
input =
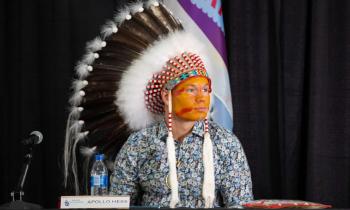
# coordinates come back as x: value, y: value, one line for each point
x: 95, y: 202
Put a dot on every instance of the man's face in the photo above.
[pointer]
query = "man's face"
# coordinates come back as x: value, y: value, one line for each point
x: 191, y: 99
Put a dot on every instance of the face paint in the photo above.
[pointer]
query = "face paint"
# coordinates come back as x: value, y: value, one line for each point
x: 191, y: 99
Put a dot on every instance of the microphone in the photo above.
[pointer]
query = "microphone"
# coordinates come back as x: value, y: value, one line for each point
x: 35, y: 137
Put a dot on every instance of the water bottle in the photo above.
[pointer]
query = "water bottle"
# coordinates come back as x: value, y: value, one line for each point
x: 99, y: 177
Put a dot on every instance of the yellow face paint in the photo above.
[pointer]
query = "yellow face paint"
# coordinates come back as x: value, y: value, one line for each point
x: 191, y: 98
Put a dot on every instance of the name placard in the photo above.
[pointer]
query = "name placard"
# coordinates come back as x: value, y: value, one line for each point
x: 95, y: 202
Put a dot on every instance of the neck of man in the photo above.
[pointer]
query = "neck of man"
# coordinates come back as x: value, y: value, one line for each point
x: 181, y: 128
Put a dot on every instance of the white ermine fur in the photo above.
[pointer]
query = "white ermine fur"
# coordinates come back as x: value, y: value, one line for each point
x: 208, y: 189
x: 174, y: 185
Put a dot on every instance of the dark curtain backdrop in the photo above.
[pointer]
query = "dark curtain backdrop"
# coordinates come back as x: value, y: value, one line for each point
x: 40, y: 43
x: 290, y: 79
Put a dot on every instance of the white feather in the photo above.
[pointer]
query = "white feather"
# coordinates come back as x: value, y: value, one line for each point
x: 76, y: 99
x: 79, y: 84
x: 136, y: 7
x: 95, y: 45
x: 89, y: 58
x: 76, y: 126
x: 82, y: 135
x: 75, y: 112
x: 78, y: 137
x: 71, y: 140
x: 108, y: 29
x: 165, y: 6
x: 130, y: 98
x: 152, y: 3
x: 87, y: 151
x: 67, y: 149
x: 121, y: 15
x: 82, y: 70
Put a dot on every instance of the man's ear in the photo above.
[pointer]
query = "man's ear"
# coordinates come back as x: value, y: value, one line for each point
x: 164, y: 95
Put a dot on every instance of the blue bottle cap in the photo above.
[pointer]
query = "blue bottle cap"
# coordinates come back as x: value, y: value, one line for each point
x: 99, y: 157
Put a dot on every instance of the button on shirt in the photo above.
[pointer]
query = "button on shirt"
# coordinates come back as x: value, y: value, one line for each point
x: 141, y: 168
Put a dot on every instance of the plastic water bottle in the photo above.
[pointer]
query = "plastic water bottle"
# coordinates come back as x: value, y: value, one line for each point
x: 99, y: 177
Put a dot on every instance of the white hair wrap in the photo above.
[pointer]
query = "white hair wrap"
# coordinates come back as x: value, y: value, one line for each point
x: 208, y: 190
x: 172, y: 159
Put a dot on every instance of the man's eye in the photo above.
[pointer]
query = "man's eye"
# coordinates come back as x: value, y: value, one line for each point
x: 190, y: 90
x: 206, y: 89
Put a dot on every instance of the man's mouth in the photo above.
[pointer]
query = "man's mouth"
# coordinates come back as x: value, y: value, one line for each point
x: 201, y: 109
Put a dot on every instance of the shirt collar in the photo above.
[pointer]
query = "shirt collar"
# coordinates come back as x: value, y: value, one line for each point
x: 198, y: 129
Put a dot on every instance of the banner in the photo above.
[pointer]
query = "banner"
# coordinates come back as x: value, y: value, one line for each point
x: 204, y: 19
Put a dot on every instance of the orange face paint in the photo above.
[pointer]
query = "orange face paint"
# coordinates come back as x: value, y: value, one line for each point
x: 191, y: 99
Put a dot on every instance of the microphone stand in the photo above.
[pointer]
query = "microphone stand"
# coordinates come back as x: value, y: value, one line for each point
x: 18, y: 193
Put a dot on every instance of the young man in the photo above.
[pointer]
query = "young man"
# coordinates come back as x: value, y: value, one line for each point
x: 203, y: 165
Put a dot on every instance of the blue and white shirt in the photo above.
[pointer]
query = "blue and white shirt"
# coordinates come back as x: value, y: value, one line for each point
x: 141, y: 168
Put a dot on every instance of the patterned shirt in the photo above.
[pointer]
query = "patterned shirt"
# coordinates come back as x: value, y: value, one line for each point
x: 141, y: 168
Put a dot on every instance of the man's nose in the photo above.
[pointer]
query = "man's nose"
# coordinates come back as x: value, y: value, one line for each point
x: 200, y: 97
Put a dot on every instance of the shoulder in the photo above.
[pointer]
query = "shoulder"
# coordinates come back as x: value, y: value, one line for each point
x: 143, y: 134
x: 219, y: 132
x: 138, y: 142
x: 218, y: 129
x: 223, y: 137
